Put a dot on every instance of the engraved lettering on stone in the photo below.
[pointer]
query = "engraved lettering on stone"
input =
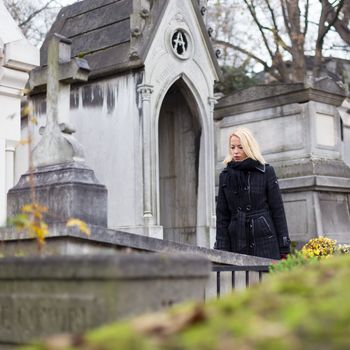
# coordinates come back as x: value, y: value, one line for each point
x: 34, y: 314
x: 5, y: 316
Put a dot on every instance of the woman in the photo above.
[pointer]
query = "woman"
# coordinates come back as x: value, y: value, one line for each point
x: 250, y: 214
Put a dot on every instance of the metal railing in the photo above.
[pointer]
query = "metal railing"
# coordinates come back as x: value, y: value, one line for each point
x: 260, y: 269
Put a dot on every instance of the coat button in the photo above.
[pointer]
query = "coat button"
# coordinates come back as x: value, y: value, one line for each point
x: 252, y: 245
x: 248, y: 207
x: 239, y: 209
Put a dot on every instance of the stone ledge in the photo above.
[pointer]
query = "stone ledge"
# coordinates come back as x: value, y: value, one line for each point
x: 307, y: 166
x: 276, y: 95
x: 314, y: 182
x: 116, y: 240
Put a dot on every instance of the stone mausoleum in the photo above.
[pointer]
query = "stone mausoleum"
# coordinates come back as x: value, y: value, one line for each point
x: 145, y: 116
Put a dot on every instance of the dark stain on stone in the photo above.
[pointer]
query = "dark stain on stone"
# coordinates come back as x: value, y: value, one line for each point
x: 92, y: 96
x: 110, y: 99
x: 74, y: 99
x: 138, y: 80
x: 40, y: 107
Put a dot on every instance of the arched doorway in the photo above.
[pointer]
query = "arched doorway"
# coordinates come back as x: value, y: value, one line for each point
x: 179, y: 148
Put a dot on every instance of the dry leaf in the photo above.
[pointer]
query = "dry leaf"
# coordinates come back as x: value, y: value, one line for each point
x: 82, y: 225
x: 162, y: 324
x: 58, y: 342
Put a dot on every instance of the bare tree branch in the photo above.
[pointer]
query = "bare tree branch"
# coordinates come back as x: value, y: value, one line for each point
x: 282, y: 30
x: 261, y: 28
x: 327, y: 15
x: 306, y: 18
x: 330, y: 16
x: 285, y: 17
x: 34, y: 14
x: 33, y: 17
x: 340, y: 25
x: 277, y: 38
x: 267, y: 68
x: 240, y: 49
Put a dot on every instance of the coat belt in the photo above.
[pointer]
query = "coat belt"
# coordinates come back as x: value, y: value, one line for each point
x: 241, y: 217
x: 239, y: 214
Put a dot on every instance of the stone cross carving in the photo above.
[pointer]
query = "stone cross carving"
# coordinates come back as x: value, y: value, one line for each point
x: 57, y: 145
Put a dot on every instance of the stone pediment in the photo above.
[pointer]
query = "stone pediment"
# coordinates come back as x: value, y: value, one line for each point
x: 112, y: 35
x: 265, y: 96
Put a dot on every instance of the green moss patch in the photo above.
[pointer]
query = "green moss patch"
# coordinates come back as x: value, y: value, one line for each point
x: 306, y: 308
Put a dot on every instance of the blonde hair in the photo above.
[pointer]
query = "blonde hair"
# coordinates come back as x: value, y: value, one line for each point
x: 249, y: 144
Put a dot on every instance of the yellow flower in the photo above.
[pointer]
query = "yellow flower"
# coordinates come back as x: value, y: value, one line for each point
x: 319, y: 247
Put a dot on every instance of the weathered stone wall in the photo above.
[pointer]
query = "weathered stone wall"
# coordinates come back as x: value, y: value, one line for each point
x: 106, y: 119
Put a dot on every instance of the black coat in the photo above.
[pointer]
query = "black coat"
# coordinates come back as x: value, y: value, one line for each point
x: 251, y: 218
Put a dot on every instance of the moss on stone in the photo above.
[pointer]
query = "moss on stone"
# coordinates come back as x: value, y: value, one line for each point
x: 307, y: 308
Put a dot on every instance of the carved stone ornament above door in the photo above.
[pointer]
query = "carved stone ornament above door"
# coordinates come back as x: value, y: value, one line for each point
x: 181, y: 43
x: 179, y: 38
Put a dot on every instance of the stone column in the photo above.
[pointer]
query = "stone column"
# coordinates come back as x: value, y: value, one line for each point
x: 145, y: 92
x: 151, y: 226
x: 212, y: 101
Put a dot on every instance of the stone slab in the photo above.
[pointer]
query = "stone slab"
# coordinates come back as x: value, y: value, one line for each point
x: 43, y: 296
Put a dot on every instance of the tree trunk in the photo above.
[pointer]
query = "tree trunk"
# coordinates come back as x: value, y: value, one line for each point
x: 297, y: 39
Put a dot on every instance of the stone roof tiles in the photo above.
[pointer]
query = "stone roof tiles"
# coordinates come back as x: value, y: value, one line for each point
x: 112, y: 35
x: 99, y: 30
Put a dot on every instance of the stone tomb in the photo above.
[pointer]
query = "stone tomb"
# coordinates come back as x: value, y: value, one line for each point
x: 298, y: 127
x: 43, y: 296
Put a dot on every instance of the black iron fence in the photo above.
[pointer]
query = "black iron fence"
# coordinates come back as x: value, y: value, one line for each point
x: 248, y: 269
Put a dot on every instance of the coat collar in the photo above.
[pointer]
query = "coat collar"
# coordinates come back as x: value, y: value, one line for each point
x: 261, y: 167
x: 256, y: 165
